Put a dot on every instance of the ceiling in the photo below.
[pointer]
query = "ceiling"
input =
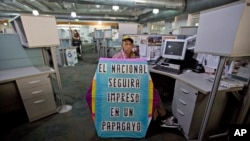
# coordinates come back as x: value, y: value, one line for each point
x: 129, y: 10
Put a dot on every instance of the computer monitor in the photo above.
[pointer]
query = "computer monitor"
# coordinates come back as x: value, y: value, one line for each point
x: 174, y: 49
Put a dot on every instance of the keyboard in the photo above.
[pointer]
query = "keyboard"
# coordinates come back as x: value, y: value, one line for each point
x: 167, y: 69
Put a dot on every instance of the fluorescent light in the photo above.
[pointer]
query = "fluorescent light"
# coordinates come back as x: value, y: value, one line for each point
x: 73, y: 14
x: 196, y: 24
x: 97, y: 6
x: 99, y: 22
x: 155, y: 11
x: 35, y: 12
x: 5, y: 24
x: 115, y: 7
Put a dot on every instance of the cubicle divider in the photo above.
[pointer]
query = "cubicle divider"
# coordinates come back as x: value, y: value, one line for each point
x: 14, y: 55
x: 150, y: 46
x: 46, y: 39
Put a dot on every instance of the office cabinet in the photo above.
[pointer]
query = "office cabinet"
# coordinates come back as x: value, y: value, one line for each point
x: 189, y: 105
x: 36, y: 31
x: 37, y: 95
x: 183, y: 105
x: 225, y: 31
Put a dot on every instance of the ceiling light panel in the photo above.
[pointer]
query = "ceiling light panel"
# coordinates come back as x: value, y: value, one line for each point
x: 115, y: 7
x: 73, y: 14
x: 35, y: 12
x: 155, y: 11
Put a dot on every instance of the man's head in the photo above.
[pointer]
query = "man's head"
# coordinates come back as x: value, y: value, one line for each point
x: 127, y: 44
x: 127, y: 38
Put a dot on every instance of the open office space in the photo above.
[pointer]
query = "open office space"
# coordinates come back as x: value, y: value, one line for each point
x: 104, y: 70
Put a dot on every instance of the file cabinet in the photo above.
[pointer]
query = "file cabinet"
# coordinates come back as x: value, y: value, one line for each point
x: 37, y: 95
x: 189, y: 105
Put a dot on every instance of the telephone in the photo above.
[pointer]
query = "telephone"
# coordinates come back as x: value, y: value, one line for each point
x: 199, y: 69
x: 160, y: 60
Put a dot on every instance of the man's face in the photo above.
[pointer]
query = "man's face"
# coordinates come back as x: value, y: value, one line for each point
x: 127, y: 46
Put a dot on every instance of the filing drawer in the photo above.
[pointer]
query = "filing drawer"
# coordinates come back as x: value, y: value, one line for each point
x: 184, y: 117
x: 31, y: 82
x: 35, y: 91
x: 40, y: 106
x: 183, y: 89
x: 37, y: 96
x: 184, y: 103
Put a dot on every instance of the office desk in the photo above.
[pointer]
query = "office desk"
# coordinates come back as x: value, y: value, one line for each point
x: 13, y: 74
x: 190, y: 98
x: 196, y: 80
x: 34, y: 87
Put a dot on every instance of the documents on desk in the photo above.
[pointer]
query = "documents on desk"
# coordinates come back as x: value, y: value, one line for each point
x: 227, y: 82
x: 199, y: 81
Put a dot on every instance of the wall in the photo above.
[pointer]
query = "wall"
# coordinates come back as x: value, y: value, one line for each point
x: 140, y: 29
x: 168, y: 27
x: 172, y: 25
x: 6, y: 28
x: 145, y: 28
x: 178, y: 22
x: 84, y: 34
x: 157, y: 27
x: 127, y: 28
x: 85, y: 30
x: 98, y: 27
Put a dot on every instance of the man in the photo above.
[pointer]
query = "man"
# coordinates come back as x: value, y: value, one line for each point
x: 127, y: 46
x: 160, y: 112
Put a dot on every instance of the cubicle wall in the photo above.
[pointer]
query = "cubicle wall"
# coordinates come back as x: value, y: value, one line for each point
x: 150, y: 46
x: 145, y: 46
x: 14, y: 55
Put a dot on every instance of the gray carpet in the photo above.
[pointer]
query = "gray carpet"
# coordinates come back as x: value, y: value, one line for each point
x: 76, y: 124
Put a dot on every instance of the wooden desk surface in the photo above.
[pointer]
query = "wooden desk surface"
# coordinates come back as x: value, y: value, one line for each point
x: 13, y: 74
x: 198, y: 81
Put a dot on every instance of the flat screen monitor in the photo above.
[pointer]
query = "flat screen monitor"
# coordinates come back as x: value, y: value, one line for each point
x: 174, y: 49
